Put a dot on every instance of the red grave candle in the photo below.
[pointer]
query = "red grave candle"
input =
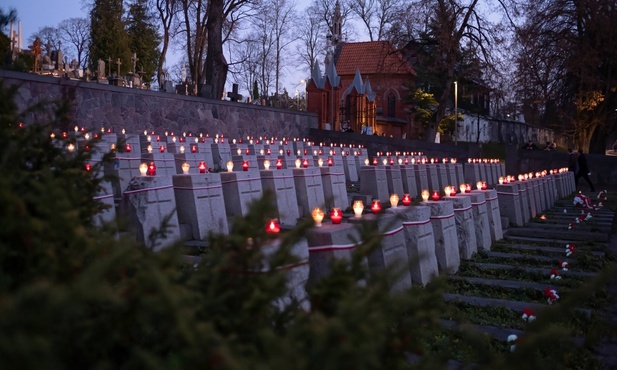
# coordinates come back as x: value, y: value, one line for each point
x: 273, y: 226
x: 376, y: 206
x: 406, y: 200
x: 435, y: 195
x: 202, y: 167
x: 336, y: 215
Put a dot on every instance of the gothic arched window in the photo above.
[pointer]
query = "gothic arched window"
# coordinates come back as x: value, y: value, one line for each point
x: 391, y: 105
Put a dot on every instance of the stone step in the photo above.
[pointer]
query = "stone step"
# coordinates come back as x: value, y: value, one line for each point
x: 572, y: 216
x: 495, y: 302
x: 584, y: 226
x: 573, y: 234
x: 555, y: 250
x: 521, y: 256
x: 528, y: 239
x: 493, y: 331
x: 538, y: 270
x: 513, y: 284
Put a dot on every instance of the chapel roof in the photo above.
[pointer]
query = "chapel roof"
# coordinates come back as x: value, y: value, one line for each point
x: 371, y: 57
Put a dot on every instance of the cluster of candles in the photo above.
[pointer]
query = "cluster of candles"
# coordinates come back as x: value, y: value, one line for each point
x: 482, y: 160
x: 336, y: 214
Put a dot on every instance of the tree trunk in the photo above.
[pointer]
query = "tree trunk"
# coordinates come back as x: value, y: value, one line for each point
x: 216, y: 64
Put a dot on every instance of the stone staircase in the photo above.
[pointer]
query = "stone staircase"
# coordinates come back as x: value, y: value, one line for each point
x: 491, y: 290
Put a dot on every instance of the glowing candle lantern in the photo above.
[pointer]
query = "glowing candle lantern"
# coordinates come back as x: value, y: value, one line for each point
x: 452, y: 191
x: 330, y: 162
x: 375, y: 162
x: 447, y: 190
x: 358, y: 208
x: 468, y: 160
x: 266, y: 164
x: 375, y: 206
x: 298, y: 152
x: 239, y: 151
x: 432, y: 160
x: 71, y: 147
x: 193, y: 148
x: 182, y: 139
x: 453, y: 160
x: 298, y: 163
x: 281, y: 152
x: 86, y: 136
x: 87, y: 166
x: 152, y: 169
x: 181, y: 149
x: 273, y: 226
x: 435, y: 195
x: 149, y: 148
x: 467, y: 188
x: 186, y: 167
x: 336, y: 215
x: 413, y: 161
x: 305, y: 163
x: 406, y: 161
x: 462, y: 188
x: 128, y: 148
x: 406, y: 200
x: 112, y: 147
x: 425, y: 194
x: 143, y: 169
x: 288, y: 152
x: 479, y: 185
x: 400, y: 161
x: 230, y: 166
x: 394, y: 200
x: 320, y: 162
x: 366, y: 162
x: 279, y: 164
x: 162, y: 148
x: 245, y: 165
x: 484, y: 185
x: 158, y: 138
x: 385, y: 161
x: 318, y: 216
x: 202, y: 167
x: 391, y: 161
x: 501, y: 180
x: 203, y: 139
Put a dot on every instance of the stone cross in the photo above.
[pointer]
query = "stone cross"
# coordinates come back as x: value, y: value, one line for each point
x: 233, y: 95
x: 119, y: 63
x: 134, y: 60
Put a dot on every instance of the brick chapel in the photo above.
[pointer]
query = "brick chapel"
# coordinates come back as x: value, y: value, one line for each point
x: 364, y: 87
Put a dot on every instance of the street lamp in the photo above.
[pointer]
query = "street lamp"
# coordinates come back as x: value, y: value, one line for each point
x: 455, y: 113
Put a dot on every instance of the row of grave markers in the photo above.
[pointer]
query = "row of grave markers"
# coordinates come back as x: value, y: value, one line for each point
x: 428, y: 238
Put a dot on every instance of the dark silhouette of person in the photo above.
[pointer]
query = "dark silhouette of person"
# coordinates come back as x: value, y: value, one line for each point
x: 530, y: 145
x: 583, y: 170
x: 548, y: 147
x: 571, y: 161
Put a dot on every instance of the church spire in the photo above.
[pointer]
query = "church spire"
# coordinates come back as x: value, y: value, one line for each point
x: 337, y: 24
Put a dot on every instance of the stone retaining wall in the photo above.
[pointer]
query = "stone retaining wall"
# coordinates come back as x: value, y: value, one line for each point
x: 97, y: 105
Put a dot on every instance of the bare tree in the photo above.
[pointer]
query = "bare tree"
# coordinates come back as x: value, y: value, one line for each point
x: 167, y: 10
x: 568, y: 67
x: 76, y: 33
x: 376, y: 15
x: 245, y: 68
x: 312, y: 43
x: 49, y: 36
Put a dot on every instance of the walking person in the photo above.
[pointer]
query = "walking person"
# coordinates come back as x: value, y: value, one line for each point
x: 571, y: 160
x: 583, y: 170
